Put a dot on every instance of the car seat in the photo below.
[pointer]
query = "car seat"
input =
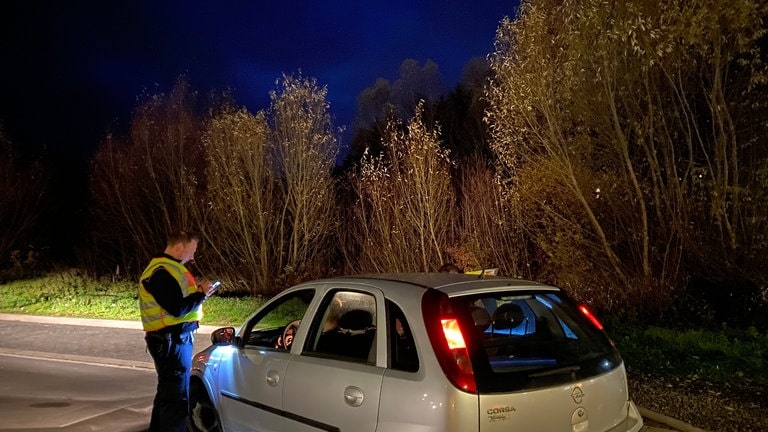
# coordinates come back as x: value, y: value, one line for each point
x: 352, y: 338
x: 507, y: 317
x: 356, y: 320
x: 480, y: 318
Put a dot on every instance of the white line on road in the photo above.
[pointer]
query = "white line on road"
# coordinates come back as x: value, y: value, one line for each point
x: 71, y: 358
x: 88, y: 322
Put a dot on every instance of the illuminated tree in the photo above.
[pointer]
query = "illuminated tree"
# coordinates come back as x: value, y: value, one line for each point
x: 239, y: 212
x: 489, y: 235
x: 304, y: 150
x: 405, y: 214
x: 625, y: 136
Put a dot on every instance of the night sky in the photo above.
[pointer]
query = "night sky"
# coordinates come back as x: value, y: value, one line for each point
x: 74, y: 69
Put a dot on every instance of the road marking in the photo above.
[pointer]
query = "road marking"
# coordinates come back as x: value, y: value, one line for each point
x: 78, y: 359
x: 89, y: 322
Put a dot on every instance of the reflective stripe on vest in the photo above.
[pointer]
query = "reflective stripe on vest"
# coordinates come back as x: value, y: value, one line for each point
x: 153, y: 316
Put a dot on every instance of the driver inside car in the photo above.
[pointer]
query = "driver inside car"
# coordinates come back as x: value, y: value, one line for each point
x: 286, y: 339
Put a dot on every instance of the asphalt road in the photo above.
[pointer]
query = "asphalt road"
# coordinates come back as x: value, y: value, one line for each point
x: 48, y: 395
x: 75, y: 375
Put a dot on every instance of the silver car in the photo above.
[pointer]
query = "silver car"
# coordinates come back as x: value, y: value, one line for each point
x: 414, y: 352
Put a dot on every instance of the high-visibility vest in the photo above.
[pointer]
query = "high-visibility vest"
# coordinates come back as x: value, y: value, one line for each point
x: 153, y: 316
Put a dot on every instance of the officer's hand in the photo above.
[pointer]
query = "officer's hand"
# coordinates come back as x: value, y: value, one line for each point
x: 212, y: 287
x: 206, y: 287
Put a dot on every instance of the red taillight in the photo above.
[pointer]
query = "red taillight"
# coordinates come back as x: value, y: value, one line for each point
x: 448, y: 341
x: 590, y: 317
x: 453, y: 334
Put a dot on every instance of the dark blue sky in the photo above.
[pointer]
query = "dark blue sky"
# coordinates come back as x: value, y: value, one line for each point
x: 73, y: 68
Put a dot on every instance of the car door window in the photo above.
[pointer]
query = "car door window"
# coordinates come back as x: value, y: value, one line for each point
x: 345, y: 327
x: 275, y: 326
x: 402, y: 348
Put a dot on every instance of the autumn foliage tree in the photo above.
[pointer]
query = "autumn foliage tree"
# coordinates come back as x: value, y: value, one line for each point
x: 405, y: 215
x: 626, y: 136
x: 489, y: 235
x: 259, y: 188
x: 239, y: 210
x: 304, y: 148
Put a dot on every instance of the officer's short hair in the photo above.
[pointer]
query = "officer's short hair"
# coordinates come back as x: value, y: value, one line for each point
x: 182, y: 237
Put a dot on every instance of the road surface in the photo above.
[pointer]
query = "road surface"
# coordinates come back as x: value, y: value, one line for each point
x: 75, y: 375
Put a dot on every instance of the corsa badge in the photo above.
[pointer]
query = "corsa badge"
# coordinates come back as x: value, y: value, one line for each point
x: 498, y: 414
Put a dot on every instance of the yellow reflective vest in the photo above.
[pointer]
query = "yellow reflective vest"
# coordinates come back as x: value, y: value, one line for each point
x: 153, y: 316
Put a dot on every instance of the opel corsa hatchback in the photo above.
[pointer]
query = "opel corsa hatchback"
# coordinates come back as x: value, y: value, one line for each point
x: 414, y: 352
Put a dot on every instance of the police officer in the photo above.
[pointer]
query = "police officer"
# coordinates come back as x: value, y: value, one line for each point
x: 171, y: 306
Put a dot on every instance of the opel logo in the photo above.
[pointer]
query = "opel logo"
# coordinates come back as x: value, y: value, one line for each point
x: 577, y: 395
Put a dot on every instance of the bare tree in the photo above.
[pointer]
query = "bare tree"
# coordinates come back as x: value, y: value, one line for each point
x: 116, y: 207
x: 405, y: 215
x: 490, y: 236
x: 305, y: 148
x: 239, y: 213
x: 142, y: 186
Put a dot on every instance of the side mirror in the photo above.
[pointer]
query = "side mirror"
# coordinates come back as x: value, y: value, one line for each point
x: 223, y: 336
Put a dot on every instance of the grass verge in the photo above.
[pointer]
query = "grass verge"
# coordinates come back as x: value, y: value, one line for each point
x: 73, y: 295
x: 722, y: 355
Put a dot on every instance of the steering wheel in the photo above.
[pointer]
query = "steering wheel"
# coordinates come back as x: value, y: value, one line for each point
x: 289, y: 330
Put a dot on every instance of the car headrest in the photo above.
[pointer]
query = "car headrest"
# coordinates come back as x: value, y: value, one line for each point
x: 356, y: 319
x: 508, y: 316
x: 481, y: 318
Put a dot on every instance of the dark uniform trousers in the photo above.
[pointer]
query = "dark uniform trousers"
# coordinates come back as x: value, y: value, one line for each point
x: 172, y: 355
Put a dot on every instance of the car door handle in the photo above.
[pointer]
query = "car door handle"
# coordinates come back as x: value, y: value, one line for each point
x: 353, y: 396
x: 273, y: 378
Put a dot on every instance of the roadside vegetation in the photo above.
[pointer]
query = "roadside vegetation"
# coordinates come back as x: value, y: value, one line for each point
x: 717, y: 355
x: 70, y: 294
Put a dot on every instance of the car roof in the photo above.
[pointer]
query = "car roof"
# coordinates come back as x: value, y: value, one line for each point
x: 452, y: 283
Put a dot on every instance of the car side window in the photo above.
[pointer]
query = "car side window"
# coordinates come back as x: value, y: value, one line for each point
x: 402, y: 348
x: 275, y: 326
x: 345, y: 327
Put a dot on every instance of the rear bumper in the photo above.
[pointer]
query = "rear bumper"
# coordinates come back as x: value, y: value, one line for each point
x: 633, y: 422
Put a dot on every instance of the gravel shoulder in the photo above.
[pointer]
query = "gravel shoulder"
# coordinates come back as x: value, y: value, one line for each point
x: 741, y: 407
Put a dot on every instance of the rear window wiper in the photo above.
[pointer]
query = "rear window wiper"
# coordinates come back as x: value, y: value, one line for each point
x: 557, y: 371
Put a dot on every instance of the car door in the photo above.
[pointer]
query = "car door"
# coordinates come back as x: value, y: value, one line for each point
x: 251, y: 378
x: 335, y: 382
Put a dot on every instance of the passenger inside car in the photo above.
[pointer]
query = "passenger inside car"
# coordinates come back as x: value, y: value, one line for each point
x: 402, y: 346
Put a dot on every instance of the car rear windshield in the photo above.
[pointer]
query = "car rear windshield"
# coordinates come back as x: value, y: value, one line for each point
x: 527, y: 340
